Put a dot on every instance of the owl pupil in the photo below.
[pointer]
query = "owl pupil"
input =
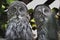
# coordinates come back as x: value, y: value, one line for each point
x: 13, y: 10
x: 45, y: 11
x: 21, y: 9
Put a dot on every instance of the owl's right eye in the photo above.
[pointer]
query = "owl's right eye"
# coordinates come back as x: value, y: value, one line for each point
x: 13, y: 10
x: 21, y: 9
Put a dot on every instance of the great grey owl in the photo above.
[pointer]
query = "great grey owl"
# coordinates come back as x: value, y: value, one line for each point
x: 18, y: 27
x: 41, y: 15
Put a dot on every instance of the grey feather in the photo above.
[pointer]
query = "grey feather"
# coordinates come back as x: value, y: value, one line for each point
x: 41, y: 15
x: 18, y: 27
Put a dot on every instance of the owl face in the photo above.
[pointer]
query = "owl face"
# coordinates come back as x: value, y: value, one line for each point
x: 41, y: 13
x: 17, y: 8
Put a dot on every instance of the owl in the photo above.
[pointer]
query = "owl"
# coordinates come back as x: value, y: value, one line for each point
x: 17, y: 8
x: 41, y: 15
x: 18, y: 27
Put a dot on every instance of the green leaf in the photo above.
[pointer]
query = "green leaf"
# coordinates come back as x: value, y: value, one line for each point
x: 10, y: 1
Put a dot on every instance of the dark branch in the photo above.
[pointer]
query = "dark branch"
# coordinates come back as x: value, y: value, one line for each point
x: 26, y: 1
x: 48, y: 2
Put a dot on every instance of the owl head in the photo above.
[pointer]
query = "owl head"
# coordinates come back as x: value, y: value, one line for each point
x: 41, y: 12
x: 17, y: 8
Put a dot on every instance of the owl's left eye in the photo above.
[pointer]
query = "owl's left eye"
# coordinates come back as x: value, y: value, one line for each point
x: 46, y: 10
x: 21, y: 9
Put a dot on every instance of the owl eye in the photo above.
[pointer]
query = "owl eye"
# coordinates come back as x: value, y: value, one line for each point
x: 13, y: 10
x: 46, y: 10
x: 21, y: 9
